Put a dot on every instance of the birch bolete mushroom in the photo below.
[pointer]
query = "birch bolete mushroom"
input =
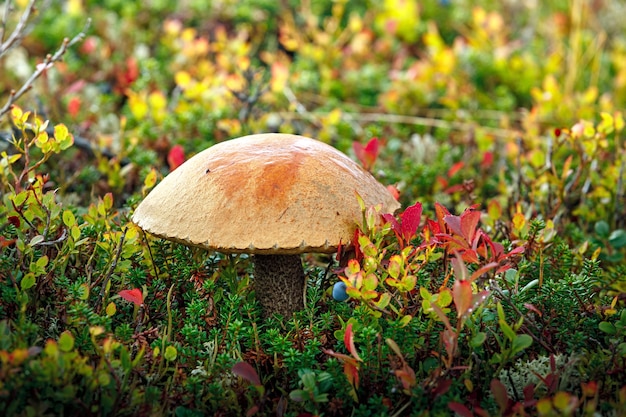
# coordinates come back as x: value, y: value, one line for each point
x: 275, y: 196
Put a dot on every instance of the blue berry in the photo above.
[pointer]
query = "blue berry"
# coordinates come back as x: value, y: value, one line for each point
x: 339, y: 291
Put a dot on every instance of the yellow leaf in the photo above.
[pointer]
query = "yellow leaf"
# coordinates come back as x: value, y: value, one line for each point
x: 334, y: 117
x: 137, y: 104
x: 182, y: 79
x: 619, y: 121
x: 519, y: 221
x: 280, y: 74
x: 150, y: 180
x: 111, y: 309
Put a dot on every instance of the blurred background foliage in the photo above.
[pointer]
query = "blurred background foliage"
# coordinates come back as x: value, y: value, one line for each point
x: 515, y: 106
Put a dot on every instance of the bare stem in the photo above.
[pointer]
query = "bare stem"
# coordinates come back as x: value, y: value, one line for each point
x: 47, y: 63
x: 18, y: 32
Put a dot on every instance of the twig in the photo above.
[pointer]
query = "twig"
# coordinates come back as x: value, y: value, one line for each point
x: 18, y: 32
x: 55, y: 241
x: 400, y: 119
x: 113, y: 265
x: 41, y: 68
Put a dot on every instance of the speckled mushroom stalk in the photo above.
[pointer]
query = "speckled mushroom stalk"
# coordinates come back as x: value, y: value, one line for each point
x: 275, y: 196
x: 279, y: 284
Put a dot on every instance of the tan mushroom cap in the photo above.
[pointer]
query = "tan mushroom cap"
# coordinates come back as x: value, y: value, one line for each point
x: 263, y: 194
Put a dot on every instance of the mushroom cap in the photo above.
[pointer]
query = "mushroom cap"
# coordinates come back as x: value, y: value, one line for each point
x: 263, y: 194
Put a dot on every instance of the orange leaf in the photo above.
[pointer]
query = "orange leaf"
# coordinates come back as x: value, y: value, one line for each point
x: 348, y: 340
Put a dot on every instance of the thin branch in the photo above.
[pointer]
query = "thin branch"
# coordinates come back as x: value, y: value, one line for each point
x: 18, y: 32
x: 48, y: 62
x: 401, y: 119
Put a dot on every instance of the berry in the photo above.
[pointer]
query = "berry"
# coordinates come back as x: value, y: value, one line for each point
x: 339, y: 291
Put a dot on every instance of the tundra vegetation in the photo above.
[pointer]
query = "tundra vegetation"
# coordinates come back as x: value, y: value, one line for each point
x: 498, y: 289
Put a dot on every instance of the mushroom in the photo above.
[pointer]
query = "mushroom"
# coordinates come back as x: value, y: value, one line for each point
x: 275, y: 196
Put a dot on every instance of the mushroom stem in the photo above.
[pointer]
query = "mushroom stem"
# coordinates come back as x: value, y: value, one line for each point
x: 279, y: 284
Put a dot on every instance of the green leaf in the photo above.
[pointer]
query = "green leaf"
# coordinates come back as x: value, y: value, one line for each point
x: 68, y: 218
x: 125, y: 359
x: 478, y: 339
x: 66, y: 341
x: 521, y: 342
x: 42, y: 262
x: 28, y: 281
x: 607, y: 327
x: 617, y: 239
x: 298, y: 395
x: 602, y: 229
x: 507, y: 330
x: 383, y: 301
x: 75, y: 233
x: 111, y: 309
x: 170, y: 353
x: 18, y: 199
x: 36, y: 240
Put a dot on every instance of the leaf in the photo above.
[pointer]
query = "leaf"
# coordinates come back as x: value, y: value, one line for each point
x: 462, y: 296
x: 617, y: 239
x: 395, y: 266
x: 134, y: 296
x: 170, y: 353
x: 150, y: 180
x: 68, y: 218
x: 66, y: 341
x: 455, y: 168
x: 247, y: 372
x: 410, y: 221
x: 606, y: 327
x: 63, y: 136
x: 367, y: 154
x: 111, y: 309
x: 478, y: 339
x: 460, y: 409
x: 507, y: 330
x: 499, y: 394
x: 175, y: 157
x: 521, y: 342
x: 469, y: 223
x: 28, y: 281
x: 395, y: 226
x: 348, y: 341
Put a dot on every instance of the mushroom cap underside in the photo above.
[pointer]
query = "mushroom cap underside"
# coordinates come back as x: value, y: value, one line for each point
x: 263, y: 194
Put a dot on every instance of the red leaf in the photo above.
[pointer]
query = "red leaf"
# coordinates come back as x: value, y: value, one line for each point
x: 534, y: 309
x: 247, y: 372
x: 394, y: 191
x: 389, y: 218
x: 410, y: 221
x: 499, y: 394
x: 469, y: 222
x: 441, y: 213
x: 358, y: 254
x: 14, y: 220
x: 454, y: 189
x: 487, y: 160
x: 462, y: 296
x: 175, y: 157
x: 348, y: 340
x: 455, y: 168
x: 460, y: 409
x: 73, y: 106
x: 134, y: 296
x: 454, y: 223
x: 367, y: 154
